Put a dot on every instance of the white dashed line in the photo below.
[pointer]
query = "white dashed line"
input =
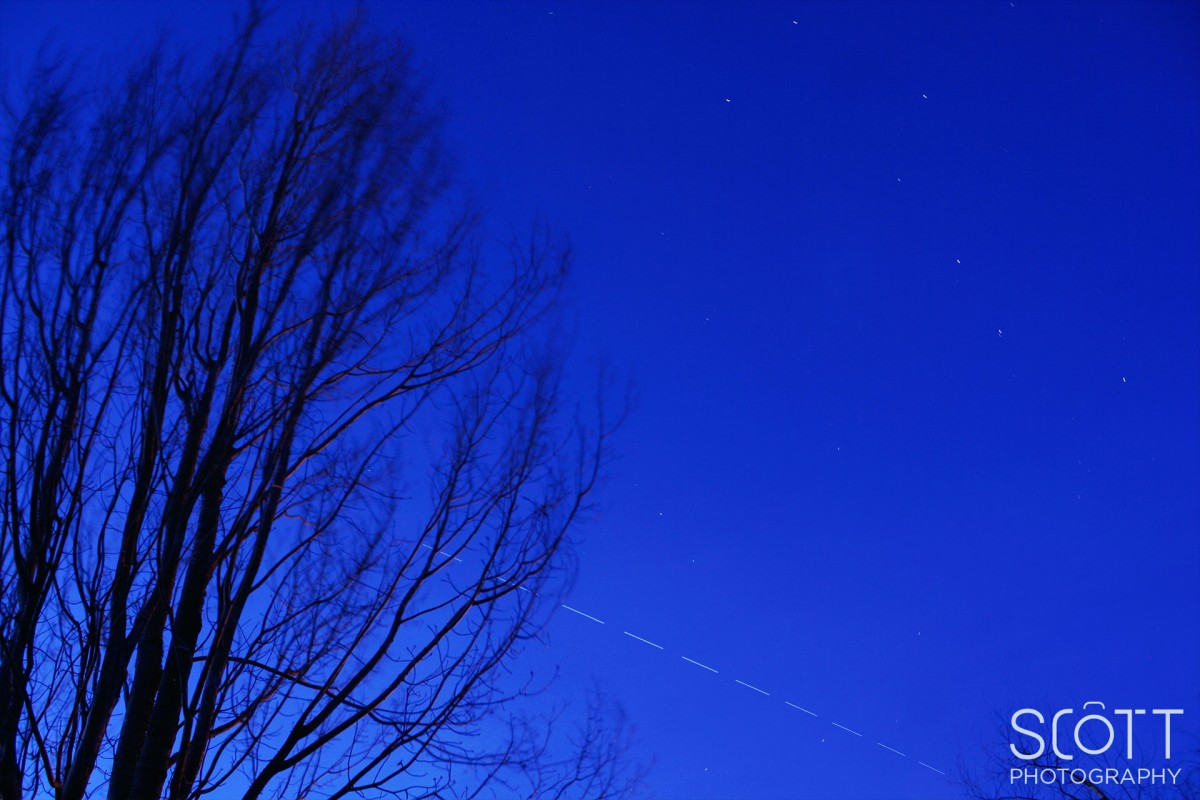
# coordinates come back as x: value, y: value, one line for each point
x: 640, y: 639
x: 698, y: 664
x: 444, y: 553
x: 580, y: 613
x: 748, y: 686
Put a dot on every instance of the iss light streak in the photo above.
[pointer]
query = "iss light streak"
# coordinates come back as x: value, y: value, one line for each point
x: 587, y: 616
x: 751, y: 686
x: 640, y: 639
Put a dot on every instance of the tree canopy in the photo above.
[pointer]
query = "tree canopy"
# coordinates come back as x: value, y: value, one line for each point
x: 287, y: 470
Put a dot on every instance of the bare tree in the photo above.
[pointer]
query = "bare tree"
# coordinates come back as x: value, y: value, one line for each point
x: 286, y: 472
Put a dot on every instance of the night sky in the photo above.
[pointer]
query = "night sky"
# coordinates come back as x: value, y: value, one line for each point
x: 909, y: 298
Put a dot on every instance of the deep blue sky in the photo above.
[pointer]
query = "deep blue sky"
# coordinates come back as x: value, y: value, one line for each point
x: 909, y: 294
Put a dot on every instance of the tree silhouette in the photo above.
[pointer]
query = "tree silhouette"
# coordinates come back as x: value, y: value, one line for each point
x: 286, y: 471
